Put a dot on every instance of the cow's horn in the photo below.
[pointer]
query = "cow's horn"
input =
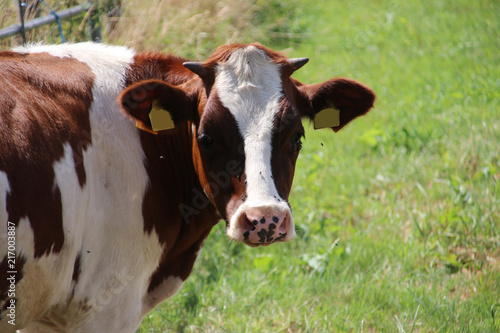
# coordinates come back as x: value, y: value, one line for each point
x: 195, y: 67
x: 298, y: 62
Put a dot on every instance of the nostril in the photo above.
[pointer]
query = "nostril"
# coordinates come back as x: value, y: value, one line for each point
x: 255, y: 222
x: 284, y: 225
x: 263, y: 220
x: 247, y: 225
x: 276, y: 219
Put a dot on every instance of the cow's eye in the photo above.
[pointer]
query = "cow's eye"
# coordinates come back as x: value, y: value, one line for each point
x: 205, y: 141
x: 297, y: 141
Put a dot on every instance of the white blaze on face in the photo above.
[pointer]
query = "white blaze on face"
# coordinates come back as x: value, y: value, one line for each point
x: 249, y: 85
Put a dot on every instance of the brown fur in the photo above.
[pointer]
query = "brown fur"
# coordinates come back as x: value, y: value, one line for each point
x: 45, y: 103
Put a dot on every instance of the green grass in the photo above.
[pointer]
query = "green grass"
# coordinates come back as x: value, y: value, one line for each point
x: 397, y: 215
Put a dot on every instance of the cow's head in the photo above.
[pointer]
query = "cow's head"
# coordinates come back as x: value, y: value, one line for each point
x: 246, y: 116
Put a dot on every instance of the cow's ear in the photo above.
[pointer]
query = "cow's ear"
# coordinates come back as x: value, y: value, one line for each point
x: 156, y: 105
x: 335, y: 103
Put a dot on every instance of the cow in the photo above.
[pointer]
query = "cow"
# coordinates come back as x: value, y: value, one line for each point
x: 115, y: 166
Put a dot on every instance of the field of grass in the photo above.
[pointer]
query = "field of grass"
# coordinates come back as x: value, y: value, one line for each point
x: 398, y: 215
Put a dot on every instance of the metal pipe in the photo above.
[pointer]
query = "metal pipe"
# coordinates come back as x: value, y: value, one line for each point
x: 22, y: 11
x: 40, y: 21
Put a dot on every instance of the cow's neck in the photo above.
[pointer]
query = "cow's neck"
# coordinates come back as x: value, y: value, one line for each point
x: 175, y: 207
x: 173, y: 190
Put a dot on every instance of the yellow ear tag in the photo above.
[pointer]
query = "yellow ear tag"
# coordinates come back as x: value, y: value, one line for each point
x: 160, y: 118
x: 327, y: 118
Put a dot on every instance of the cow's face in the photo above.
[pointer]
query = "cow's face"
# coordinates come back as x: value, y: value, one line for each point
x: 246, y: 113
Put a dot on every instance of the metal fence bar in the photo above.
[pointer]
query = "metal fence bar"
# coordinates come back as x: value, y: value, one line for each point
x: 38, y: 22
x: 22, y: 11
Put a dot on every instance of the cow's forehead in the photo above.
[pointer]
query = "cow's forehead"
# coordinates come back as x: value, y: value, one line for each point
x: 248, y: 65
x: 249, y: 85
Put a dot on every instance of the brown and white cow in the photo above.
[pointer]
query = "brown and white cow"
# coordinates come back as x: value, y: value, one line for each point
x: 100, y: 220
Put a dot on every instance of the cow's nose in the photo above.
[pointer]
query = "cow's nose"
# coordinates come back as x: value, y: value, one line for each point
x: 265, y: 225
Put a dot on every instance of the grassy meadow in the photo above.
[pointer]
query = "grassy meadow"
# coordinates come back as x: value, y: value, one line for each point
x: 397, y: 215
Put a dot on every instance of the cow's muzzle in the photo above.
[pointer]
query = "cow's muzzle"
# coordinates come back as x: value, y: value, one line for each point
x: 261, y: 225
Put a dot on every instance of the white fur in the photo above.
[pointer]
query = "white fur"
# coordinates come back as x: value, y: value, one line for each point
x: 249, y: 85
x: 102, y: 221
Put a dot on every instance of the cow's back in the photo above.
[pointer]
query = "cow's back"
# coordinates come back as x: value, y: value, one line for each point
x: 72, y: 180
